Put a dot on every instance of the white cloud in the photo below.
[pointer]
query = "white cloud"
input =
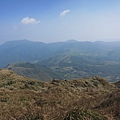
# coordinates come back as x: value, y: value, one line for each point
x: 64, y: 13
x: 28, y: 20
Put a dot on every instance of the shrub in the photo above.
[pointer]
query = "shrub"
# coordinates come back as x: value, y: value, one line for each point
x: 83, y: 114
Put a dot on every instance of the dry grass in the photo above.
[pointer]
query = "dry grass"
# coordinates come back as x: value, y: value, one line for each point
x: 26, y: 99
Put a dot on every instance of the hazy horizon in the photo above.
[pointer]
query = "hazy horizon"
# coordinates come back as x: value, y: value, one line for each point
x: 60, y: 20
x: 112, y: 40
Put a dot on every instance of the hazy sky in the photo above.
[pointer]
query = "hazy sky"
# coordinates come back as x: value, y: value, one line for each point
x: 59, y: 20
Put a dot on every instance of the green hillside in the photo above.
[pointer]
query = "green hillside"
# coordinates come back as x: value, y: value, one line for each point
x: 72, y: 67
x: 67, y: 67
x: 35, y: 71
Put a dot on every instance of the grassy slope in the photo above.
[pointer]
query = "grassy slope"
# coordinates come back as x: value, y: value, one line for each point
x: 27, y: 99
x: 117, y: 84
x: 33, y: 71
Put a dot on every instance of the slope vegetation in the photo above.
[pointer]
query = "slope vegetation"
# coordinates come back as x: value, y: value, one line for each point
x: 71, y: 66
x: 35, y: 71
x: 28, y: 99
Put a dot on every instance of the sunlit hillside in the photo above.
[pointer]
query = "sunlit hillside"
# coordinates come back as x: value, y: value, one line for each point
x: 28, y: 99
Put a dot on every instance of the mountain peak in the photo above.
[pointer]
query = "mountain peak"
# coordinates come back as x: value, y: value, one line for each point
x: 71, y: 41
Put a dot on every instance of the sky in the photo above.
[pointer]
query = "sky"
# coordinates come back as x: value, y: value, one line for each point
x: 59, y: 20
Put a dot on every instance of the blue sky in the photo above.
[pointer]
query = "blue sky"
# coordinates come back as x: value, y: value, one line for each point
x: 59, y: 20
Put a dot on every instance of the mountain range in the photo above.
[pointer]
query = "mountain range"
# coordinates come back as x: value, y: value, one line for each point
x: 29, y: 51
x: 66, y: 60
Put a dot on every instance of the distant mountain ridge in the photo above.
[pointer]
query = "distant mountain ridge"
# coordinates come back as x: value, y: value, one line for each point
x: 71, y: 59
x: 21, y: 51
x: 29, y: 51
